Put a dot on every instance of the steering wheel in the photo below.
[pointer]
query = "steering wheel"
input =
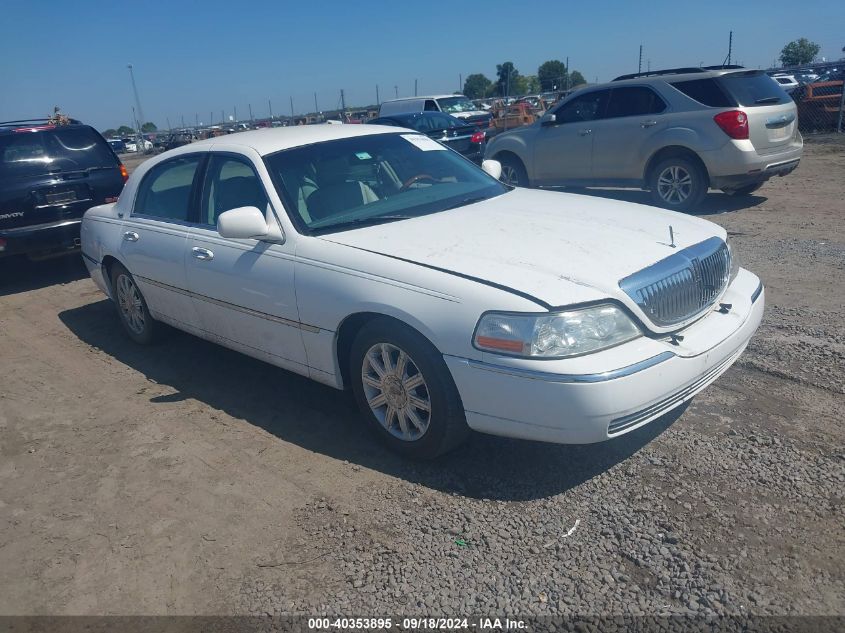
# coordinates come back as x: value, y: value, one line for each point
x: 416, y: 178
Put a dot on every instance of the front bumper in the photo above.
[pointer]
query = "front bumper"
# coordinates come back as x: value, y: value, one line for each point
x: 552, y: 406
x: 40, y: 238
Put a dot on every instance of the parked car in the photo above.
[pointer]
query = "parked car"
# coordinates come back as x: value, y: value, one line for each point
x: 131, y: 144
x: 674, y: 132
x: 117, y: 145
x: 454, y: 133
x: 457, y: 105
x: 375, y: 259
x: 49, y: 176
x: 178, y: 140
x: 787, y: 82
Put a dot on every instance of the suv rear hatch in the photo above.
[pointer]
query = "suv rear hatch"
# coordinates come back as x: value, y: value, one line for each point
x: 49, y: 174
x: 772, y: 115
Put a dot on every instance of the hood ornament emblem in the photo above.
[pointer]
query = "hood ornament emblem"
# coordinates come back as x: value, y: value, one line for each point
x: 672, y: 237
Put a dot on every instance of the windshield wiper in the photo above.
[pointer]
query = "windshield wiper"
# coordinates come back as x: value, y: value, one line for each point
x: 466, y: 201
x: 768, y: 100
x: 377, y: 219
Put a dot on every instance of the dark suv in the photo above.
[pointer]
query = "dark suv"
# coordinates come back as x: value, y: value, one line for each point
x: 49, y: 176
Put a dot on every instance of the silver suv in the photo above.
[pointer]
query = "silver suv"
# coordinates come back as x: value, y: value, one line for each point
x: 674, y: 132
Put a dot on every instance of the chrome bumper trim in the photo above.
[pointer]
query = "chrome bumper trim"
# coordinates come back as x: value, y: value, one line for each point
x: 548, y: 376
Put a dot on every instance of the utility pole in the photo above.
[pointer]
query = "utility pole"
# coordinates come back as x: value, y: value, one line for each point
x: 415, y: 87
x: 135, y: 91
x: 210, y: 118
x: 396, y: 90
x: 251, y: 118
x: 377, y: 100
x: 316, y: 108
x: 183, y: 121
x: 196, y: 119
x: 567, y: 72
x: 223, y: 116
x: 270, y: 103
x: 291, y: 106
x: 236, y: 114
x: 460, y: 82
x: 342, y: 104
x: 640, y: 66
x: 168, y: 123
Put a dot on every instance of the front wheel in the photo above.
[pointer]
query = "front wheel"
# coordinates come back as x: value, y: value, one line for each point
x: 678, y: 183
x: 513, y: 172
x: 132, y: 307
x: 405, y: 391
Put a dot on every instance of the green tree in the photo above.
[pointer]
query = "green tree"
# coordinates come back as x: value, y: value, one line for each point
x: 125, y: 130
x: 477, y: 86
x: 508, y: 76
x: 532, y: 84
x: 110, y: 133
x: 801, y: 51
x: 552, y: 73
x: 576, y: 79
x: 149, y: 127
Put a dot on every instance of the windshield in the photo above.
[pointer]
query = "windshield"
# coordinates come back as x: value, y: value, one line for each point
x: 377, y: 178
x: 456, y: 104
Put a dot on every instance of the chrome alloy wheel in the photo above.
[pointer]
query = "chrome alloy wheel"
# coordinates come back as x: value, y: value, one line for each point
x: 129, y: 302
x: 674, y: 185
x: 396, y: 391
x: 509, y: 176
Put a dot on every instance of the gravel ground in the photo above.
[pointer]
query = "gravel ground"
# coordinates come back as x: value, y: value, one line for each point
x: 187, y: 479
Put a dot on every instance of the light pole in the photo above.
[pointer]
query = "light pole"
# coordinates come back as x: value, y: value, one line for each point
x: 137, y: 98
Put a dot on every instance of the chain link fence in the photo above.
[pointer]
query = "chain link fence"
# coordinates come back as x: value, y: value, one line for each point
x: 820, y: 107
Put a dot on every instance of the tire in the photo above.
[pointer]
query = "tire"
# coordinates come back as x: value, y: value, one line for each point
x: 747, y: 190
x: 678, y: 183
x: 132, y: 307
x: 419, y: 416
x: 513, y: 172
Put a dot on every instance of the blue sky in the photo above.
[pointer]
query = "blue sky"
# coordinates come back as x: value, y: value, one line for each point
x: 192, y: 58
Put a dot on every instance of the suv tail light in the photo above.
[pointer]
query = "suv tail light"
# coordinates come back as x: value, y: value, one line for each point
x: 123, y: 172
x: 734, y: 123
x: 478, y: 137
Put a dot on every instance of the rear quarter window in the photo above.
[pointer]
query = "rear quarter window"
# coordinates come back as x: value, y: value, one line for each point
x: 706, y: 92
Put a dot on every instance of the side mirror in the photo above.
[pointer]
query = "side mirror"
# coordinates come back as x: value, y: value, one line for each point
x: 492, y: 167
x: 242, y: 223
x: 549, y: 120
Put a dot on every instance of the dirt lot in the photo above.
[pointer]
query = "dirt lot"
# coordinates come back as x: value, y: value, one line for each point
x: 185, y: 478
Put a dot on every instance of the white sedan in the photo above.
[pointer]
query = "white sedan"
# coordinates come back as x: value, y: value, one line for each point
x: 375, y: 259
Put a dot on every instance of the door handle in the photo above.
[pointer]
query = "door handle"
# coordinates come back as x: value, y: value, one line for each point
x: 585, y: 132
x: 130, y: 236
x: 648, y: 123
x: 202, y: 253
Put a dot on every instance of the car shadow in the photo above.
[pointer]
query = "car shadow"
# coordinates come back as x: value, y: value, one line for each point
x: 714, y: 203
x: 324, y: 420
x: 19, y: 274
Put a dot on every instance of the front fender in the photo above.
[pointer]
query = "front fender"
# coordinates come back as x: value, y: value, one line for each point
x: 514, y: 142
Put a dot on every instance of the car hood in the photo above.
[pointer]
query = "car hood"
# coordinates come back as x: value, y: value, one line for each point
x: 557, y: 247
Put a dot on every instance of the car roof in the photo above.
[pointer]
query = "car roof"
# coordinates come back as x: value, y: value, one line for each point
x: 421, y: 97
x: 36, y: 125
x: 681, y: 74
x: 269, y: 140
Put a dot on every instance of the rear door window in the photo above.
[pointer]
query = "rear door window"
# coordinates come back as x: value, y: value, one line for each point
x: 165, y: 192
x: 706, y: 92
x: 634, y: 101
x: 754, y: 89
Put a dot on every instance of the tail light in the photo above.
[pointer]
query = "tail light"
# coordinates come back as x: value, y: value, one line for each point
x: 123, y: 172
x: 478, y: 137
x: 734, y: 123
x: 2, y: 244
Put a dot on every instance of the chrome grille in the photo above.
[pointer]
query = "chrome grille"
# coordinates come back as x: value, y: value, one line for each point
x: 683, y: 285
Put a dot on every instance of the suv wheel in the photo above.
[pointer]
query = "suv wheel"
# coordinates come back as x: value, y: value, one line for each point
x: 678, y: 183
x: 132, y: 307
x: 405, y: 390
x: 513, y: 172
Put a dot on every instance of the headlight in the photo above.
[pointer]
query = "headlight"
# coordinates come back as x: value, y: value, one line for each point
x: 554, y: 335
x: 734, y: 260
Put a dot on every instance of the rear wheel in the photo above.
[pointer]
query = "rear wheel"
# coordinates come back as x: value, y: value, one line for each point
x: 405, y: 391
x: 747, y: 190
x: 132, y: 307
x: 678, y: 183
x: 513, y: 172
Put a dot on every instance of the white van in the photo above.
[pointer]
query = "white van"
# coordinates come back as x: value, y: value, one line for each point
x: 456, y: 105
